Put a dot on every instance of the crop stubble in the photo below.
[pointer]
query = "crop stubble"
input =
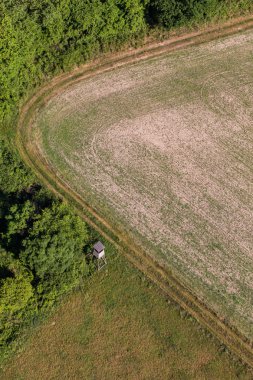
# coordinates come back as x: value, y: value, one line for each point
x: 164, y: 149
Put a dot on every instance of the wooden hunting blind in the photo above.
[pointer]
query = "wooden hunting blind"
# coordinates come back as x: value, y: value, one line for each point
x: 99, y: 254
x: 99, y: 250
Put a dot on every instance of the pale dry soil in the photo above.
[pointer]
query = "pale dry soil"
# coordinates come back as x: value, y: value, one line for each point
x: 163, y: 150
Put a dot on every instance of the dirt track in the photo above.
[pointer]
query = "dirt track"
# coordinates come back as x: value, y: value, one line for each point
x: 32, y: 155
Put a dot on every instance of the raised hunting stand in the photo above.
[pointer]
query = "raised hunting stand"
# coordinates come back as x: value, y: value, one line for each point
x: 99, y: 254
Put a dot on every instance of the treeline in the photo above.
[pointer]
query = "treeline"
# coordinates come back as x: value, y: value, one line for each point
x: 173, y: 13
x: 42, y: 245
x: 41, y: 38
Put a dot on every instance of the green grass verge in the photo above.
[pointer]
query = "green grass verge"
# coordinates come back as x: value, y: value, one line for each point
x: 119, y: 326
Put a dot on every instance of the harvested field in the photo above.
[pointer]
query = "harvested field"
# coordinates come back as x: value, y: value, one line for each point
x: 162, y: 149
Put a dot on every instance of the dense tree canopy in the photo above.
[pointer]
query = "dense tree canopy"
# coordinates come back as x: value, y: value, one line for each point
x: 54, y: 243
x: 18, y: 217
x: 16, y: 294
x: 41, y: 246
x: 170, y: 13
x: 14, y: 177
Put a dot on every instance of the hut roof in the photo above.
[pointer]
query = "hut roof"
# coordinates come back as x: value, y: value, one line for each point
x: 99, y: 247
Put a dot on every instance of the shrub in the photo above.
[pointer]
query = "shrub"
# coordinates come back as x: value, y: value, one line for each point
x: 16, y: 295
x: 14, y: 176
x: 53, y: 249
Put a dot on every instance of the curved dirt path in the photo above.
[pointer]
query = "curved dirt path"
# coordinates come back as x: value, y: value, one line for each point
x: 32, y: 155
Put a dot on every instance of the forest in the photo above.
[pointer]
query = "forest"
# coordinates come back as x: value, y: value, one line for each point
x: 42, y: 242
x: 42, y: 247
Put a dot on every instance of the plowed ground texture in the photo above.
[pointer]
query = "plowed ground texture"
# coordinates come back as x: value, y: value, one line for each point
x: 119, y: 326
x: 162, y: 149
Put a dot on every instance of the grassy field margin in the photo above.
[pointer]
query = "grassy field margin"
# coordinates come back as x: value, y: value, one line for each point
x: 31, y: 154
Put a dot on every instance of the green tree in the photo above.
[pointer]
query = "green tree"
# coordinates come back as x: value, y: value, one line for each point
x: 167, y: 13
x: 14, y: 176
x: 53, y: 249
x: 16, y: 295
x: 17, y: 218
